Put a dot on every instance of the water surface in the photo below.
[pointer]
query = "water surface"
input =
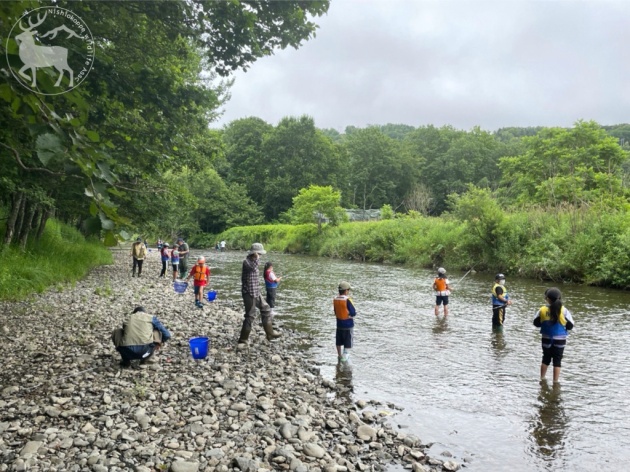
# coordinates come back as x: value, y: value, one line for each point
x: 469, y: 390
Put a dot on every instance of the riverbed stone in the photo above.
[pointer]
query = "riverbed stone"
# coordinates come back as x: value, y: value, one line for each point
x: 266, y: 407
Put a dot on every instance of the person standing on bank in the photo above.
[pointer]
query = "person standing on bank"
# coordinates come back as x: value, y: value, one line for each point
x: 184, y: 251
x: 345, y: 313
x: 500, y: 300
x: 252, y: 298
x: 200, y: 274
x: 164, y: 255
x: 442, y: 291
x: 555, y: 322
x: 138, y: 253
x: 271, y: 285
x: 140, y: 337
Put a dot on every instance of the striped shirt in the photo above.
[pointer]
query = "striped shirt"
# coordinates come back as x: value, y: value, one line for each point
x: 250, y: 278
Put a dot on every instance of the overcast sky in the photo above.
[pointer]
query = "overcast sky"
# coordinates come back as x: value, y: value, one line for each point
x: 490, y: 63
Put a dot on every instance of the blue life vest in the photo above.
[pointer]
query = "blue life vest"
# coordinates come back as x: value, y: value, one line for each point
x: 495, y: 299
x: 550, y: 329
x: 268, y: 282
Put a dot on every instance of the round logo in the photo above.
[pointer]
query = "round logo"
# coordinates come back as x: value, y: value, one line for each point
x: 55, y: 49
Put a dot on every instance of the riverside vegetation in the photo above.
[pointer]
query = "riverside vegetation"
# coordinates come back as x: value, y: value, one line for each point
x: 583, y: 245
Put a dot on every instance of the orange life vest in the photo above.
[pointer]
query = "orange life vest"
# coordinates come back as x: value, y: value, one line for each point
x: 340, y: 305
x: 201, y: 273
x: 440, y: 284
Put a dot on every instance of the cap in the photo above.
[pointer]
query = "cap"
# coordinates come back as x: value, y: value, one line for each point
x: 499, y: 276
x: 180, y: 239
x: 165, y: 244
x: 441, y: 270
x: 344, y: 286
x: 201, y: 259
x: 138, y: 240
x: 257, y: 248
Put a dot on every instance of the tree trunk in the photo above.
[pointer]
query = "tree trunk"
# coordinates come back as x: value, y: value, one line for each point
x: 16, y: 204
x: 42, y: 223
x: 20, y: 218
x: 26, y: 226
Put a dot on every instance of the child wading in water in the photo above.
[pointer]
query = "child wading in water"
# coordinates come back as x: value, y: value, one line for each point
x: 201, y: 275
x: 345, y: 313
x: 271, y: 284
x: 555, y: 322
x: 442, y: 291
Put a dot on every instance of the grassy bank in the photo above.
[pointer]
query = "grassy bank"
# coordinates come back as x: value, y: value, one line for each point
x: 589, y: 246
x: 62, y: 255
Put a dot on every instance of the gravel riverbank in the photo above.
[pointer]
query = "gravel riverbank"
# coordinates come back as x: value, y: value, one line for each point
x: 65, y: 404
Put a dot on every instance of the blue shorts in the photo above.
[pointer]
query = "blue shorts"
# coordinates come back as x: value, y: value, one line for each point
x: 343, y: 337
x: 439, y: 299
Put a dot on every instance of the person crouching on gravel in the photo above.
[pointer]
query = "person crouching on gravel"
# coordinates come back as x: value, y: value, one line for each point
x: 201, y: 276
x: 141, y: 337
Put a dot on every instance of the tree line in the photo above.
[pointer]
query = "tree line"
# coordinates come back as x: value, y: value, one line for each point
x: 130, y: 149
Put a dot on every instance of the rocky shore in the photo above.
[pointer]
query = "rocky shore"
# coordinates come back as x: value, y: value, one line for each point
x: 66, y: 405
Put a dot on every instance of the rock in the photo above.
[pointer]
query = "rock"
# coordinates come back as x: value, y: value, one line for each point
x: 30, y: 448
x: 183, y: 466
x: 367, y: 433
x: 451, y: 466
x: 416, y: 467
x: 313, y: 450
x: 245, y: 464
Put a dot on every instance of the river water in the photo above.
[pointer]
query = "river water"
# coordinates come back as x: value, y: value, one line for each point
x: 463, y: 387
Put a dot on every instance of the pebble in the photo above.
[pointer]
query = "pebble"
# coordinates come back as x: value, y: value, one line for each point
x: 67, y: 405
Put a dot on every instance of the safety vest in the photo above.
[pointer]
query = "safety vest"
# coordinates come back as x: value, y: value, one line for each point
x: 495, y: 298
x: 139, y: 251
x: 340, y: 304
x: 269, y: 281
x: 441, y: 285
x: 550, y: 329
x: 174, y: 256
x: 201, y: 273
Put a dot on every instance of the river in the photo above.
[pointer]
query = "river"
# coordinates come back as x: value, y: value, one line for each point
x: 468, y: 390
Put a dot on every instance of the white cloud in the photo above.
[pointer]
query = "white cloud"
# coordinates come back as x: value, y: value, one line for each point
x: 488, y: 63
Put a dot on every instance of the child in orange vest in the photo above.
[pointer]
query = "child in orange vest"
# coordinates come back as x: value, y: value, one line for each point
x: 201, y: 275
x: 442, y: 291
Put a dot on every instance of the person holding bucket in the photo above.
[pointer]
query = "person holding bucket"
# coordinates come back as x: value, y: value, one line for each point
x: 141, y: 337
x: 201, y: 276
x: 252, y: 298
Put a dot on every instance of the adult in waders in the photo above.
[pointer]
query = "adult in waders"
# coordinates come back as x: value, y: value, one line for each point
x: 252, y: 298
x: 138, y: 253
x: 555, y: 322
x: 500, y: 300
x: 184, y: 252
x: 442, y: 291
x: 141, y: 337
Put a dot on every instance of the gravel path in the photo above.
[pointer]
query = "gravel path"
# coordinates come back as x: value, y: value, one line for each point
x: 65, y: 404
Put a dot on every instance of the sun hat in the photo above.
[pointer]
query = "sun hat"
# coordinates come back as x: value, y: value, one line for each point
x: 256, y: 248
x: 344, y: 286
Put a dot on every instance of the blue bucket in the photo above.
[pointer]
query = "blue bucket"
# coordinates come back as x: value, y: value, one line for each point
x: 180, y: 286
x: 199, y: 347
x: 212, y: 295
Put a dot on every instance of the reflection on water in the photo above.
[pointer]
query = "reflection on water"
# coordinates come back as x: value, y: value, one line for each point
x: 498, y: 342
x: 343, y: 379
x: 550, y: 423
x: 441, y: 325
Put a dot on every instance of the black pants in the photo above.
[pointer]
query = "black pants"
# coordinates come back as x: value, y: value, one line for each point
x: 271, y: 297
x: 498, y: 315
x: 183, y: 268
x: 163, y: 269
x: 137, y: 263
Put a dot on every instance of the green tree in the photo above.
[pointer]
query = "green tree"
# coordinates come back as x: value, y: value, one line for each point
x: 579, y: 165
x: 316, y: 203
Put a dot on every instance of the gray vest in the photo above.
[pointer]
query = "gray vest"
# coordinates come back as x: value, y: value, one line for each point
x: 138, y: 330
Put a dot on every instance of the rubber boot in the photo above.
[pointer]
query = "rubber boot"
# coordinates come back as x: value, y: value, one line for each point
x: 245, y: 330
x: 271, y: 334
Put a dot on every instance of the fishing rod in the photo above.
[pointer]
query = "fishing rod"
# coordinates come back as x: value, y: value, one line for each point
x: 469, y: 271
x: 297, y: 271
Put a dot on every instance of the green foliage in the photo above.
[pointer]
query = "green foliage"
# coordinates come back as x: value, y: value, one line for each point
x: 316, y: 203
x: 61, y: 256
x: 387, y: 212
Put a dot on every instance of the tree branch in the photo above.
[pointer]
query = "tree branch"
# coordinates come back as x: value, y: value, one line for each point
x: 34, y: 169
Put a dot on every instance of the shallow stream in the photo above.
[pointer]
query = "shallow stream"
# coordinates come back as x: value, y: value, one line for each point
x: 472, y: 392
